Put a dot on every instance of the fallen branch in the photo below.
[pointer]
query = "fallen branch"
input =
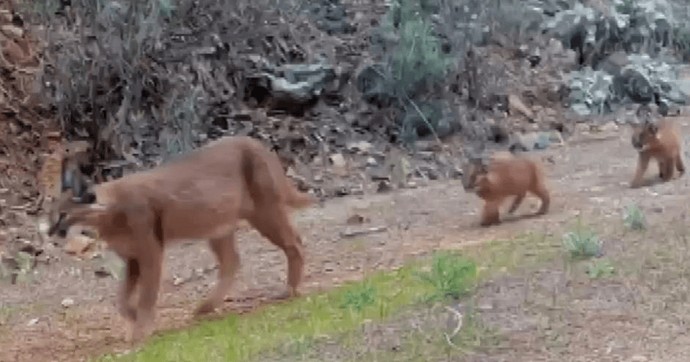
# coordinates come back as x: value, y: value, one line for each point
x: 351, y: 233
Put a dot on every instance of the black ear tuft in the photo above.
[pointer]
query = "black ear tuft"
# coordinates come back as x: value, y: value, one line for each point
x: 89, y: 197
x: 62, y: 232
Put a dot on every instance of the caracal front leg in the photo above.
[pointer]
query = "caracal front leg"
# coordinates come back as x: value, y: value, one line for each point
x: 228, y: 259
x: 490, y: 214
x: 127, y: 290
x: 642, y: 164
x: 516, y: 202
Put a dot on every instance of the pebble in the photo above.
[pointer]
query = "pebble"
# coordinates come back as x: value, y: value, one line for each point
x: 67, y: 302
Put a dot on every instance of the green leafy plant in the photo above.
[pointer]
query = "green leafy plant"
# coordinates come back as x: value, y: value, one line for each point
x: 414, y: 61
x: 600, y: 269
x: 451, y: 276
x: 360, y: 297
x: 634, y: 218
x: 582, y: 243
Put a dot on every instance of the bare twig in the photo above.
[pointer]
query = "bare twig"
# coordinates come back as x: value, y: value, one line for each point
x: 371, y: 230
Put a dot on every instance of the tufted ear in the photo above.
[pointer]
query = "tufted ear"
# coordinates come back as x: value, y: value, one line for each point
x: 652, y: 127
x: 481, y: 163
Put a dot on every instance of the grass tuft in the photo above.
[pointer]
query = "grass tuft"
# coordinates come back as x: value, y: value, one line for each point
x: 582, y: 243
x: 450, y: 276
x: 634, y: 218
x: 600, y: 269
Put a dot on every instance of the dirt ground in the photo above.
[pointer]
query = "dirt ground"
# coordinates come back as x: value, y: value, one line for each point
x: 587, y: 175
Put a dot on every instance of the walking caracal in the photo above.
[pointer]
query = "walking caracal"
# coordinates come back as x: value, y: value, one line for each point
x: 660, y: 141
x: 504, y: 175
x: 199, y: 195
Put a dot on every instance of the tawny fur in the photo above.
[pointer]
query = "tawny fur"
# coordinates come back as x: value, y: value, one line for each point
x: 505, y: 175
x: 659, y: 141
x: 201, y: 195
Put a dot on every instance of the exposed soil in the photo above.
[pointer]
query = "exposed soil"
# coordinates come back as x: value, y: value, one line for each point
x: 591, y: 176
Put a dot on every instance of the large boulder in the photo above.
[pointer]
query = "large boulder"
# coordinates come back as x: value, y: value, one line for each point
x: 623, y: 79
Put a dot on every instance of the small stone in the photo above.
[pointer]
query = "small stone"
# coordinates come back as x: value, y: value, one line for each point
x: 177, y: 280
x: 12, y: 31
x: 355, y: 219
x: 361, y: 146
x: 67, y: 302
x: 78, y: 244
x: 485, y: 307
x: 371, y: 161
x: 516, y: 104
x: 43, y: 226
x: 338, y: 160
x: 32, y: 322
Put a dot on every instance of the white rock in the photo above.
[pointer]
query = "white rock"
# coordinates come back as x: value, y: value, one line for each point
x: 67, y: 302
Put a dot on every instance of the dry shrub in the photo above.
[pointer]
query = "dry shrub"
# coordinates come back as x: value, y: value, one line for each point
x: 144, y: 79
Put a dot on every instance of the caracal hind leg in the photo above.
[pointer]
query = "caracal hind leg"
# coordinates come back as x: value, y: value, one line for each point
x: 273, y: 222
x: 543, y: 194
x: 679, y: 163
x: 642, y: 164
x: 150, y: 262
x: 125, y: 298
x: 516, y: 202
x: 490, y: 214
x: 228, y: 259
x: 666, y: 168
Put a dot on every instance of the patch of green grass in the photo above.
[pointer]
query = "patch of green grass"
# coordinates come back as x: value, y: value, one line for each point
x: 242, y: 337
x: 633, y: 218
x: 359, y: 296
x: 297, y: 326
x: 502, y: 256
x: 582, y: 242
x: 5, y: 314
x: 421, y: 330
x: 600, y: 269
x: 450, y: 276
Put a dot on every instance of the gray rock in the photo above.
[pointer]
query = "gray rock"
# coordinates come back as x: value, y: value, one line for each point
x: 291, y: 85
x: 622, y: 79
x: 590, y: 92
x: 534, y: 141
x: 329, y: 16
x: 640, y: 26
